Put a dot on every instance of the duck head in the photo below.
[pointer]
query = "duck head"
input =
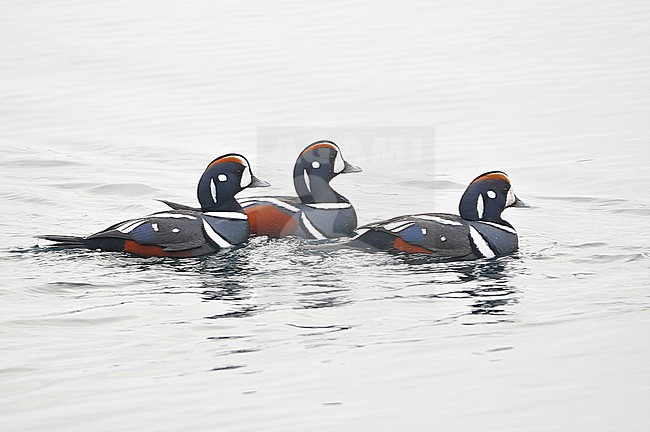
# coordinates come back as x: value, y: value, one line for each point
x: 315, y: 167
x: 487, y: 196
x: 224, y: 178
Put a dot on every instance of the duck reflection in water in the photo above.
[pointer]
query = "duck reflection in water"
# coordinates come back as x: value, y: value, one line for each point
x: 225, y: 282
x: 220, y: 277
x: 488, y: 282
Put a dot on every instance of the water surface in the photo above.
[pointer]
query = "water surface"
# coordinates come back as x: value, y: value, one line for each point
x: 107, y: 107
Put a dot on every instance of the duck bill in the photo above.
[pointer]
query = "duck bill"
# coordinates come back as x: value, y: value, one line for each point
x: 349, y: 168
x: 255, y: 182
x: 519, y: 203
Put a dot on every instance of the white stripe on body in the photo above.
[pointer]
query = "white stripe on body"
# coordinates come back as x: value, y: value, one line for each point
x: 499, y: 226
x: 311, y: 228
x: 173, y: 216
x: 480, y: 243
x: 360, y: 232
x: 214, y: 236
x: 329, y: 206
x: 250, y: 201
x: 398, y: 226
x: 130, y: 226
x: 227, y: 215
x: 437, y: 219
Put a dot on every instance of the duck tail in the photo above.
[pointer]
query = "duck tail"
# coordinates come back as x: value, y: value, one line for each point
x: 65, y: 241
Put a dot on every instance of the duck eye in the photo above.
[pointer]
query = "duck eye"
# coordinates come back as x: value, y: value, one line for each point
x: 222, y: 177
x: 315, y: 164
x: 491, y: 194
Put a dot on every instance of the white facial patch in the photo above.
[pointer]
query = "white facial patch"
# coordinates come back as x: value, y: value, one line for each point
x: 307, y: 181
x: 491, y: 194
x: 213, y: 190
x: 246, y: 177
x: 315, y: 164
x: 222, y: 177
x: 480, y: 207
x: 339, y: 163
x: 511, y: 198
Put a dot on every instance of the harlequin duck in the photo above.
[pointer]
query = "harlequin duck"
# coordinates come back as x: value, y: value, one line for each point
x: 479, y: 231
x: 318, y: 212
x: 221, y: 222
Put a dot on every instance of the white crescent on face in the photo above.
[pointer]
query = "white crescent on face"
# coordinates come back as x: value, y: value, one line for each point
x: 305, y: 176
x: 480, y: 206
x: 339, y: 163
x: 213, y: 190
x: 246, y: 176
x: 511, y: 198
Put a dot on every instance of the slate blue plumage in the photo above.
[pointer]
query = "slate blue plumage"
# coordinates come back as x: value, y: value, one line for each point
x: 479, y: 231
x: 318, y: 212
x: 219, y: 223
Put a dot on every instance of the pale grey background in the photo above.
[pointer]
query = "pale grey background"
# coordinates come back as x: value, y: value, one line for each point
x: 106, y: 106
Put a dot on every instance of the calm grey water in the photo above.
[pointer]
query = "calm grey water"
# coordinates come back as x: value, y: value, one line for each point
x: 107, y: 106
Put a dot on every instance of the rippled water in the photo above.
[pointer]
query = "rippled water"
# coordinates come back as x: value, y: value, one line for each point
x: 105, y: 108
